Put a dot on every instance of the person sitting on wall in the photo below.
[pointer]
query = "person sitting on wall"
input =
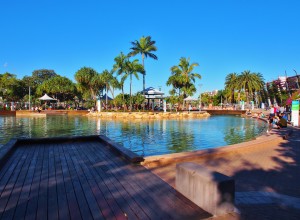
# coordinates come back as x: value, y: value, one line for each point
x: 248, y: 112
x: 39, y: 109
x: 282, y: 123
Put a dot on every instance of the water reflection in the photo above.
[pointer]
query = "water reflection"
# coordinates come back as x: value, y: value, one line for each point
x: 151, y: 137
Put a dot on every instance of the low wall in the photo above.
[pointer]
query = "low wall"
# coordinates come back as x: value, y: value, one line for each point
x: 225, y: 112
x: 149, y: 115
x: 211, y: 191
x: 7, y: 113
x: 54, y: 112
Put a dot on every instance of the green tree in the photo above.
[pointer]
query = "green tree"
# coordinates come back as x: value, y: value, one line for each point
x: 231, y: 84
x: 60, y: 87
x: 10, y: 87
x: 145, y: 47
x: 89, y: 82
x: 183, y: 78
x: 250, y: 82
x: 120, y: 67
x: 39, y: 76
x: 107, y: 77
x: 132, y: 69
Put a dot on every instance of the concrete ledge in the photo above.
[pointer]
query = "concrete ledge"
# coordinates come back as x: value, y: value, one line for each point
x: 212, y: 191
x: 7, y: 113
x: 122, y: 151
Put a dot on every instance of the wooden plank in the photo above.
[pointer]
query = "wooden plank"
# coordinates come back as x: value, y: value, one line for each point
x: 42, y: 208
x: 118, y: 195
x: 34, y: 190
x: 52, y: 201
x: 74, y: 209
x: 78, y: 160
x: 17, y: 189
x: 153, y: 209
x: 22, y: 203
x: 152, y: 186
x: 104, y: 197
x: 63, y: 208
x: 83, y: 205
x: 134, y: 205
x: 8, y: 189
x: 8, y: 168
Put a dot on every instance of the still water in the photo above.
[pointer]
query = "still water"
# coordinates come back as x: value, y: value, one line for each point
x: 152, y: 137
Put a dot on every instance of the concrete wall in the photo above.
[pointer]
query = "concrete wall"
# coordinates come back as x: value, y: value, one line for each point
x: 212, y: 191
x: 225, y: 112
x: 8, y: 113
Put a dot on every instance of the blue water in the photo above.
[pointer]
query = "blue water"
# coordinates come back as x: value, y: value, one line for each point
x: 151, y: 137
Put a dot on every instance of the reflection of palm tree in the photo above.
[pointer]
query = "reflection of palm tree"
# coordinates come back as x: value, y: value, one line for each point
x: 179, y: 143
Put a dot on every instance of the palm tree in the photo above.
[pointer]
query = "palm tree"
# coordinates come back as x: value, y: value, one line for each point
x: 231, y: 84
x: 120, y: 68
x: 183, y: 77
x: 107, y: 77
x: 133, y: 68
x: 145, y: 47
x: 250, y: 82
x: 89, y: 82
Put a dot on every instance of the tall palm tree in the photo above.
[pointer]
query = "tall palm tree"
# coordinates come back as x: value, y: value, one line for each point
x: 133, y: 68
x: 120, y: 67
x: 145, y: 47
x: 183, y: 76
x: 107, y: 77
x: 250, y: 82
x: 231, y: 84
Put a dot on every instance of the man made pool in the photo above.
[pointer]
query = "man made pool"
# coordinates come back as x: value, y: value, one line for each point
x: 146, y: 138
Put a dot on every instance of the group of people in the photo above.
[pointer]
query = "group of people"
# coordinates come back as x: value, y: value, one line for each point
x: 277, y: 117
x: 36, y: 108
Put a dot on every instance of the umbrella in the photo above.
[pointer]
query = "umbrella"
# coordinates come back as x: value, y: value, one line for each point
x: 189, y: 98
x: 46, y: 98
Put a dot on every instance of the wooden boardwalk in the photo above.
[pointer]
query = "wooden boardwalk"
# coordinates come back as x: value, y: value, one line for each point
x: 85, y: 180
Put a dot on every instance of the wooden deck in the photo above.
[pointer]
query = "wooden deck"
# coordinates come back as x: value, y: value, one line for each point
x: 84, y: 180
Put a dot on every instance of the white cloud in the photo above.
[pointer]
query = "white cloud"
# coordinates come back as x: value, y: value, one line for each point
x: 5, y: 64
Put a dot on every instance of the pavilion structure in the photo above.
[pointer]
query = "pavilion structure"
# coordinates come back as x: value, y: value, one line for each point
x: 151, y: 94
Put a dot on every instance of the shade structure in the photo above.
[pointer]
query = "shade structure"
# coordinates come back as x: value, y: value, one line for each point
x: 189, y: 98
x: 108, y: 98
x: 46, y: 98
x: 152, y: 93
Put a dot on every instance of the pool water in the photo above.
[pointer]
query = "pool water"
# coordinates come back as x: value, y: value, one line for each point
x: 151, y: 137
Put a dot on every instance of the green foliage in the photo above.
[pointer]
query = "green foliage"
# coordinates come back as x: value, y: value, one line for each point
x: 89, y: 82
x: 11, y: 89
x: 145, y: 47
x: 39, y: 76
x: 138, y: 99
x: 60, y: 87
x: 182, y: 78
x: 246, y: 82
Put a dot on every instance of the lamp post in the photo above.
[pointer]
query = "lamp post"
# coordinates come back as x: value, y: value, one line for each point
x: 200, y: 97
x: 29, y: 107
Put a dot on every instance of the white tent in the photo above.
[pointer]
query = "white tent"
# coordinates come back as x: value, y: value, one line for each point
x: 46, y: 98
x: 189, y: 98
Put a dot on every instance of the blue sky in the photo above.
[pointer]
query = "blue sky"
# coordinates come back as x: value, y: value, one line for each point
x: 222, y: 36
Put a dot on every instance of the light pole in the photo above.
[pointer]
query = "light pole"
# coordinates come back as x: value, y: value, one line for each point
x: 200, y: 97
x: 29, y: 100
